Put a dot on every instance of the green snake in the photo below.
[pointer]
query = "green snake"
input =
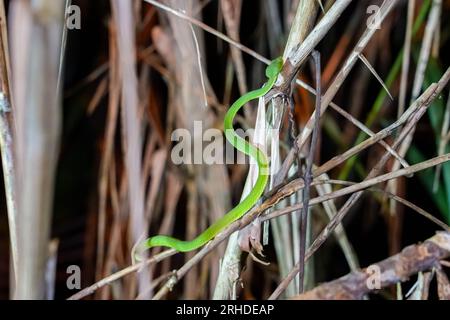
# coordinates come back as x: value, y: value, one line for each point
x: 242, y: 145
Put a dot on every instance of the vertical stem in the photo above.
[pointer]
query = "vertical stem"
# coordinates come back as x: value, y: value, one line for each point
x: 308, y: 177
x: 35, y: 27
x: 6, y: 141
x: 124, y: 19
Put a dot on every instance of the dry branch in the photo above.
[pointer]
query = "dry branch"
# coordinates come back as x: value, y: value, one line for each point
x: 395, y: 269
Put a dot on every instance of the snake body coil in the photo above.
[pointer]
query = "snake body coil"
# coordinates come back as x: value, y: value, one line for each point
x: 240, y: 144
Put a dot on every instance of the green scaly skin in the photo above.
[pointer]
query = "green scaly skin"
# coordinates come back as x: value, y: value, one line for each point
x: 240, y: 144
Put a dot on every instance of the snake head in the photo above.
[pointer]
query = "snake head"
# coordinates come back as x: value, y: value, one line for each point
x: 274, y: 68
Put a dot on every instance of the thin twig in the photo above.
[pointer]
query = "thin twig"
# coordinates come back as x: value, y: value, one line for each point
x: 200, y: 65
x: 442, y: 143
x: 399, y: 199
x: 406, y: 58
x: 375, y: 74
x: 308, y: 177
x: 63, y: 44
x: 120, y: 274
x: 209, y: 30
